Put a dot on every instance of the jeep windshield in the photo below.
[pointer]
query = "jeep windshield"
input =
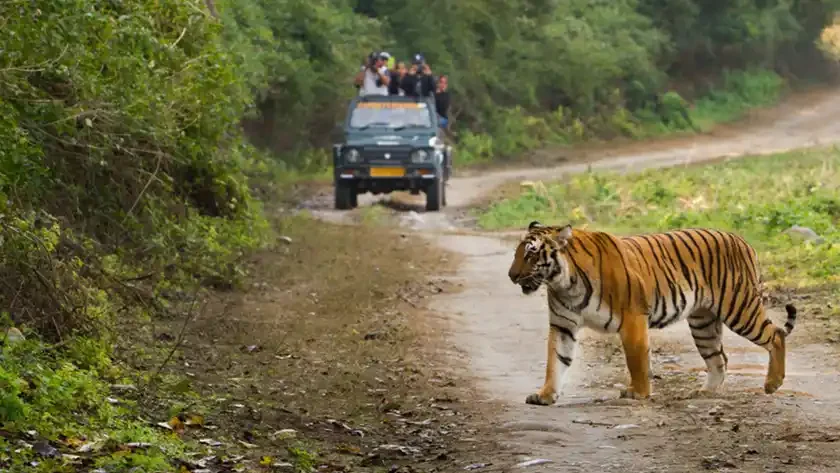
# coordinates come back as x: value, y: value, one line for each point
x: 390, y: 115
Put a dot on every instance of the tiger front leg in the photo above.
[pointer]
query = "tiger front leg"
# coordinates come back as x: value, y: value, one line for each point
x: 561, y: 348
x: 636, y: 343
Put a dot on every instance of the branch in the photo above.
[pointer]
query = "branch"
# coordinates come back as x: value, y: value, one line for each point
x: 212, y: 7
x: 190, y: 315
x: 145, y: 187
x: 37, y: 67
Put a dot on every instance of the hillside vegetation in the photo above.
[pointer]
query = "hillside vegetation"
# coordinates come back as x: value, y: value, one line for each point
x: 128, y: 169
x: 527, y: 72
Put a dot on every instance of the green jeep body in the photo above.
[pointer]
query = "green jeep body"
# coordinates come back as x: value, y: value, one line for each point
x: 391, y: 143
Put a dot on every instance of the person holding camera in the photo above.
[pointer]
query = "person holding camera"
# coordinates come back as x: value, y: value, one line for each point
x: 397, y: 76
x: 419, y: 82
x: 374, y: 78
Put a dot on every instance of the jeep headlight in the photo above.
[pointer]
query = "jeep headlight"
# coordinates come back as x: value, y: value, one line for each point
x: 420, y: 156
x: 351, y: 155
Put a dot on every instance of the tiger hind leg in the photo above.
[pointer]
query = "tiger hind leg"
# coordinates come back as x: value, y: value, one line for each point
x: 753, y: 324
x: 707, y: 331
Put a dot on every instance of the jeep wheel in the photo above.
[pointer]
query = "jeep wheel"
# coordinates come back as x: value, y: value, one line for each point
x: 435, y: 195
x: 345, y: 196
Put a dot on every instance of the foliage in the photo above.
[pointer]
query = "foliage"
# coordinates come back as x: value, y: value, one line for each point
x: 123, y: 187
x: 526, y: 73
x: 120, y: 137
x: 760, y: 198
x: 514, y: 131
x: 298, y: 58
x: 62, y: 396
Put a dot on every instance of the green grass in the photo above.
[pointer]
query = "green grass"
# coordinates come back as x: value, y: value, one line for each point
x: 63, y: 396
x: 741, y: 91
x: 757, y: 197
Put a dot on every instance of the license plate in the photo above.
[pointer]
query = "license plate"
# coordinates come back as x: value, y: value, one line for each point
x: 387, y: 172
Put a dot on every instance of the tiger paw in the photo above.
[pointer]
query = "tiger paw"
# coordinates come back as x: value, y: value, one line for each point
x: 540, y: 400
x: 631, y: 394
x: 772, y: 385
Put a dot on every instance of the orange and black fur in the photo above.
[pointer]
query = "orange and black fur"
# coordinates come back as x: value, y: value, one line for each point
x: 627, y: 285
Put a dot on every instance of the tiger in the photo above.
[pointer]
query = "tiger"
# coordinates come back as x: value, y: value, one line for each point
x: 630, y: 284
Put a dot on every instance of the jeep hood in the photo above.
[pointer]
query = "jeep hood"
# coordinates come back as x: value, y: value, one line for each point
x: 386, y: 138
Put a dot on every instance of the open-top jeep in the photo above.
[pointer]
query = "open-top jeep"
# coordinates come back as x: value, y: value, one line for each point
x: 391, y: 143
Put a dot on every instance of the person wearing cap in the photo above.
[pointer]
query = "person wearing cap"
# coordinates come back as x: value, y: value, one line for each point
x: 419, y: 82
x: 374, y: 78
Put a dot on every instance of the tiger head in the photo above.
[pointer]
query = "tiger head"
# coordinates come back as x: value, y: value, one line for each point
x: 538, y: 256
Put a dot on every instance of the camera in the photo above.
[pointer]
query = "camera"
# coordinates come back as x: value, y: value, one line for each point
x: 419, y: 61
x: 371, y: 65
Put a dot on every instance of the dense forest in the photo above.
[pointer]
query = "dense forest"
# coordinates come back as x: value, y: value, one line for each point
x: 132, y: 132
x: 522, y: 72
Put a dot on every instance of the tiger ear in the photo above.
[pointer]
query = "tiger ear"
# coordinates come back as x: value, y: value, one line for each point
x: 535, y: 224
x: 565, y: 233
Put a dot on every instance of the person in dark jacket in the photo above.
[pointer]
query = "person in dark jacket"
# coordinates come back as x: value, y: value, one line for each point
x: 442, y: 101
x: 397, y: 76
x: 419, y: 82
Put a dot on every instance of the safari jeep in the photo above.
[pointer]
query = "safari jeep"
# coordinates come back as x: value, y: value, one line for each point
x: 391, y: 143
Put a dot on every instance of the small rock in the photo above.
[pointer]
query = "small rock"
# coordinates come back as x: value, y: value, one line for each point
x: 284, y: 434
x: 13, y: 335
x: 534, y: 462
x: 138, y: 445
x: 477, y: 466
x: 45, y: 450
x: 625, y: 426
x: 285, y: 240
x: 405, y: 450
x: 247, y: 444
x: 805, y: 233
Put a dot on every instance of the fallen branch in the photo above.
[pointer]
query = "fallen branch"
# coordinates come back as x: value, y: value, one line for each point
x: 180, y: 339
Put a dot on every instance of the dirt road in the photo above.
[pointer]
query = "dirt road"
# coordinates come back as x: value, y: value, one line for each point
x: 590, y: 430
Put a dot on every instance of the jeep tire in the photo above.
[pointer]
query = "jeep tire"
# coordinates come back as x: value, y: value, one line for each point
x: 345, y: 196
x: 435, y: 194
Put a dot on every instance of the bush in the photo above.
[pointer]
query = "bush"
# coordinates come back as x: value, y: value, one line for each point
x: 118, y: 135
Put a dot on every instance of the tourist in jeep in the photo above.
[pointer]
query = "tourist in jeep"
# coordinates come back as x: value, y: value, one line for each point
x: 373, y: 79
x: 397, y: 76
x: 419, y: 82
x: 442, y: 101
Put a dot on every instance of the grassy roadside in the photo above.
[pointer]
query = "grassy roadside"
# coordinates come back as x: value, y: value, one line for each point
x: 761, y: 198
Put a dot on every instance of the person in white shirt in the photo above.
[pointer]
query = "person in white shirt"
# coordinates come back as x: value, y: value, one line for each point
x: 373, y: 79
